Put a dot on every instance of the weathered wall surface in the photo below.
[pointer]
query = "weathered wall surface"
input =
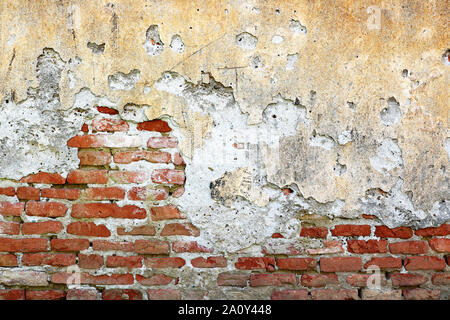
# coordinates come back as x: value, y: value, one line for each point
x: 224, y: 149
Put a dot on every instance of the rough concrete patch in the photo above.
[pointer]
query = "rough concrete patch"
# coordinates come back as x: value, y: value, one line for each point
x: 96, y: 48
x: 388, y: 157
x: 122, y: 81
x: 256, y: 62
x: 34, y: 132
x: 396, y: 208
x: 317, y: 140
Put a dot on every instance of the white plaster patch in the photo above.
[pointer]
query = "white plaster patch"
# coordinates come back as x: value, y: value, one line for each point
x: 291, y: 60
x: 391, y: 114
x: 246, y: 41
x: 177, y: 44
x: 153, y: 44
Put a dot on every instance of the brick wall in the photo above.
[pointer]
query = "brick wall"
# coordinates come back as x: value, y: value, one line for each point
x: 110, y: 228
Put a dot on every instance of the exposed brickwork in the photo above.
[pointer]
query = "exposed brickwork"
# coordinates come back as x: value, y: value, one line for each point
x: 118, y: 226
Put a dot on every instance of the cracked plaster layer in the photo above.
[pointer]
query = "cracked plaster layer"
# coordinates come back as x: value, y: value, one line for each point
x: 327, y: 103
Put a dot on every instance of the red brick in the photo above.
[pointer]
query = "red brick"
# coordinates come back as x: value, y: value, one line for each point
x: 87, y: 176
x: 255, y: 263
x: 281, y: 246
x: 314, y: 232
x: 272, y: 279
x: 44, y: 177
x: 49, y: 259
x: 85, y: 128
x: 189, y: 246
x: 12, y: 294
x: 128, y: 176
x: 164, y: 262
x: 104, y: 245
x: 45, y: 295
x: 154, y: 280
x: 109, y: 125
x: 147, y: 194
x: 385, y: 263
x: 107, y: 110
x: 18, y: 277
x: 94, y: 157
x: 408, y: 247
x: 43, y: 227
x: 69, y: 244
x: 28, y: 193
x: 8, y: 260
x: 178, y: 159
x: 330, y: 247
x: 363, y: 280
x: 11, y: 228
x: 277, y: 235
x: 318, y: 280
x: 350, y: 230
x: 440, y: 245
x: 46, y: 209
x: 23, y: 245
x: 168, y: 176
x: 124, y: 262
x: 296, y: 263
x: 401, y: 232
x: 424, y: 263
x: 150, y: 156
x: 443, y: 230
x: 407, y: 279
x: 151, y: 247
x: 88, y: 229
x: 137, y: 231
x: 8, y: 191
x: 162, y: 142
x: 166, y: 213
x: 105, y: 210
x: 69, y: 194
x: 289, y: 295
x: 11, y: 209
x: 178, y: 192
x: 373, y: 294
x: 82, y: 294
x: 122, y: 294
x: 180, y: 229
x: 329, y: 294
x: 210, y: 262
x: 233, y: 279
x: 421, y: 294
x: 90, y: 261
x: 108, y: 193
x: 154, y: 125
x: 369, y: 246
x: 85, y: 278
x: 114, y: 279
x: 369, y: 216
x: 110, y: 141
x: 340, y: 264
x: 438, y: 279
x: 164, y: 294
